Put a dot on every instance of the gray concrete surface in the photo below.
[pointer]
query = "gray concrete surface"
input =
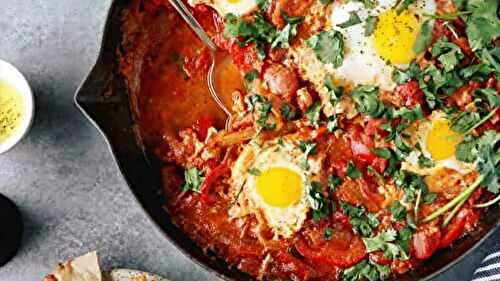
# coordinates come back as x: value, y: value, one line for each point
x: 62, y: 175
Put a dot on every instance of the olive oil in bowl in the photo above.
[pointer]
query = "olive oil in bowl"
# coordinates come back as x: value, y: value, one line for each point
x: 12, y: 110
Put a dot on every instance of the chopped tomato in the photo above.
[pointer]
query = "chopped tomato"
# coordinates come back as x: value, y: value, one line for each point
x: 202, y: 125
x: 339, y: 217
x: 362, y: 145
x: 463, y: 95
x: 440, y: 30
x: 410, y: 94
x: 455, y: 229
x: 379, y: 258
x: 342, y: 249
x: 209, y: 181
x: 245, y: 58
x: 426, y: 241
x: 339, y: 155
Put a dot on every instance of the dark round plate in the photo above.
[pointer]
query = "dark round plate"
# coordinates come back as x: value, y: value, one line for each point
x: 11, y: 230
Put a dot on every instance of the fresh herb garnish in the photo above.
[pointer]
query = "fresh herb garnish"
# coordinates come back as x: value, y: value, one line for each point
x: 424, y: 162
x: 384, y: 241
x: 288, y: 32
x: 287, y: 111
x: 366, y: 99
x: 424, y: 37
x: 192, y: 180
x: 366, y: 269
x: 353, y: 20
x: 328, y: 233
x: 254, y: 172
x: 403, y: 5
x: 447, y: 53
x: 308, y: 148
x: 333, y: 182
x: 313, y: 113
x: 328, y: 47
x: 352, y: 171
x: 316, y: 201
x: 482, y: 24
x: 250, y: 77
x: 362, y: 222
x: 488, y: 166
x: 370, y: 25
x: 263, y: 108
x: 398, y: 211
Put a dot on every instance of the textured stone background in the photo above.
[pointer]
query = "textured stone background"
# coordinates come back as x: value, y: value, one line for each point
x: 62, y: 175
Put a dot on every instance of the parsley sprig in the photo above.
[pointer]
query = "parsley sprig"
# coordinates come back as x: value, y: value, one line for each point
x: 192, y: 180
x: 487, y: 154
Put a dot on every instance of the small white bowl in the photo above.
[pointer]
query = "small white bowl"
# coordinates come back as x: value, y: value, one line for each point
x: 14, y: 77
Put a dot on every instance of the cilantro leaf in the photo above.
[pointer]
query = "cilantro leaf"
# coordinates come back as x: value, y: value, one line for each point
x: 250, y: 77
x: 466, y: 150
x: 287, y: 33
x: 287, y: 111
x: 308, y: 148
x: 332, y: 124
x: 488, y: 162
x: 313, y: 113
x: 366, y: 99
x: 398, y: 211
x: 382, y: 242
x: 424, y: 37
x: 464, y: 121
x: 352, y: 171
x: 316, y: 201
x: 370, y: 25
x: 447, y: 53
x: 482, y: 25
x: 353, y: 20
x: 254, y: 172
x: 258, y: 30
x: 264, y: 5
x: 263, y: 108
x: 328, y: 47
x: 328, y: 233
x: 333, y: 182
x: 366, y: 269
x: 192, y: 180
x: 362, y: 223
x: 403, y: 5
x: 424, y: 162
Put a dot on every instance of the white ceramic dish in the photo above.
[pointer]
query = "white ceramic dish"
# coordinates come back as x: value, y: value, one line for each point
x: 11, y: 75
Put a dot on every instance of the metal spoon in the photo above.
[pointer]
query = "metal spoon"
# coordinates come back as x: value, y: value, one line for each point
x: 196, y: 27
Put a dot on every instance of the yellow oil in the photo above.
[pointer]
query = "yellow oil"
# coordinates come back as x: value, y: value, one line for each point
x: 11, y: 110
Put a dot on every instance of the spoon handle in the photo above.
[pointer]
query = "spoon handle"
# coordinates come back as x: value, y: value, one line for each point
x: 193, y: 23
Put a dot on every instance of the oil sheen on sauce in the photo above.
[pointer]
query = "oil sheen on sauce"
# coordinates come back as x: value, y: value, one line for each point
x: 11, y: 110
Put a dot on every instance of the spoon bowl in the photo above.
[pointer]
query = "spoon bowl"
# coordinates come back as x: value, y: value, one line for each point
x: 200, y: 32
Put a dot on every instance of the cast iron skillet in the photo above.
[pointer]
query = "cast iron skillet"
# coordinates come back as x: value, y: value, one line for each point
x: 111, y: 115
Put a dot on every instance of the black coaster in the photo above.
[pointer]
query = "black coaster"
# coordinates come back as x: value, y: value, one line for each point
x: 11, y: 229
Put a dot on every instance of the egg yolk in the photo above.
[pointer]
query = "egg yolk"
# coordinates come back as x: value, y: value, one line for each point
x: 279, y: 187
x: 441, y: 140
x: 395, y: 36
x: 233, y: 1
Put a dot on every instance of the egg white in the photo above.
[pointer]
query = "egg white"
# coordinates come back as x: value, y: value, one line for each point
x: 362, y: 64
x: 284, y: 222
x: 411, y: 161
x: 224, y: 7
